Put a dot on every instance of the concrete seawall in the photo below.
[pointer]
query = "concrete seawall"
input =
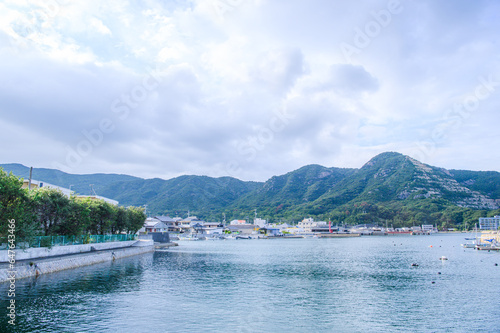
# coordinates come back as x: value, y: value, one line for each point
x: 43, y: 252
x: 34, y: 267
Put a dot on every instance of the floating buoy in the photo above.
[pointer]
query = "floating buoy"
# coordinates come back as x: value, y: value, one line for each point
x: 439, y: 273
x: 430, y: 245
x: 496, y: 264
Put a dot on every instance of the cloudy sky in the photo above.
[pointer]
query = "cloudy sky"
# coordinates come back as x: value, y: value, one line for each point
x: 247, y: 88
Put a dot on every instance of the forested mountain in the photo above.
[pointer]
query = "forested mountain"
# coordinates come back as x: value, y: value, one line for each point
x: 390, y: 188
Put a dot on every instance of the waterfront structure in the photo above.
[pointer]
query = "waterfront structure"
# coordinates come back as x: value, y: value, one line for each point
x: 272, y: 232
x: 261, y: 223
x: 169, y: 222
x: 427, y: 228
x: 243, y: 229
x: 153, y: 224
x: 307, y: 225
x: 489, y: 223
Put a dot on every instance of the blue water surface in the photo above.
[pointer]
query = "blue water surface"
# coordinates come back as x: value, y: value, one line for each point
x: 362, y: 284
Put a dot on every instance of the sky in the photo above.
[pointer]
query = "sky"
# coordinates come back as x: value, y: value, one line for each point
x: 247, y: 88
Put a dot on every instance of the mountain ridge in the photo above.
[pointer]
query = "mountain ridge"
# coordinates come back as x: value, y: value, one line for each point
x: 388, y: 181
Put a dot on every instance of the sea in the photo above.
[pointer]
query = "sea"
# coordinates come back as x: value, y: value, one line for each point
x: 362, y: 284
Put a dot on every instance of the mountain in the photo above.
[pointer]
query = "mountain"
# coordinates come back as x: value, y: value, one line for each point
x: 390, y: 187
x: 393, y: 176
x: 201, y: 195
x: 79, y: 183
x: 301, y: 186
x: 198, y: 194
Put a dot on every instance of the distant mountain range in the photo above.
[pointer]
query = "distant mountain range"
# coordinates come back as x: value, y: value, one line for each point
x: 390, y: 187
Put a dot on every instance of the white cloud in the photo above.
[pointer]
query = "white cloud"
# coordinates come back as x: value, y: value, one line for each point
x: 262, y: 84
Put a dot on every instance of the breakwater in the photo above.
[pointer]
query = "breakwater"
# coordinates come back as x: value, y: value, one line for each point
x: 29, y: 267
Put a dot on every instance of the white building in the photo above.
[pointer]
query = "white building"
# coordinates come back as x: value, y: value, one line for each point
x: 489, y: 223
x: 309, y: 224
x: 427, y: 227
x: 260, y: 222
x: 237, y: 222
x: 41, y: 184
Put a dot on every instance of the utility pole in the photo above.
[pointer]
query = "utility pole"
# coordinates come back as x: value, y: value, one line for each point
x: 29, y: 181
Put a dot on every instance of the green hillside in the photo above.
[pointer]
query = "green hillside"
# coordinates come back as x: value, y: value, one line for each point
x: 201, y: 195
x: 391, y: 188
x: 79, y: 183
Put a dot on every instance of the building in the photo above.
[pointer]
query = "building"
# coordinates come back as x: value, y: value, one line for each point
x: 260, y: 222
x: 171, y: 223
x: 243, y: 229
x: 489, y: 223
x: 309, y: 224
x: 236, y: 222
x: 41, y: 184
x: 152, y: 224
x: 66, y: 191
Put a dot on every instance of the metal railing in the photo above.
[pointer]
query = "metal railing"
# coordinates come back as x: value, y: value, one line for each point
x: 50, y: 241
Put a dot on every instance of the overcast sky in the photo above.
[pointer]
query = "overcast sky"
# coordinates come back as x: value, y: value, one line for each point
x: 247, y: 88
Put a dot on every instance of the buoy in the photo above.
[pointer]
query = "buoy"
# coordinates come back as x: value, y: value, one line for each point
x: 430, y: 245
x: 439, y: 273
x: 496, y: 264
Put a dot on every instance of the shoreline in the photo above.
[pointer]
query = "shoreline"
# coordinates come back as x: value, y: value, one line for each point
x: 37, y: 266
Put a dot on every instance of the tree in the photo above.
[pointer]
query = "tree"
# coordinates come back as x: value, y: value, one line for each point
x: 122, y: 220
x: 77, y: 220
x: 101, y: 216
x: 136, y: 219
x: 51, y: 209
x: 15, y: 206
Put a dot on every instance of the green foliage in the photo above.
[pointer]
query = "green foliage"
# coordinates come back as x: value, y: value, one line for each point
x: 51, y: 209
x: 15, y: 205
x: 390, y: 188
x: 49, y: 212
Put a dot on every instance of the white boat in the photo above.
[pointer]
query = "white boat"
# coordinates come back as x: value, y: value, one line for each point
x: 188, y: 238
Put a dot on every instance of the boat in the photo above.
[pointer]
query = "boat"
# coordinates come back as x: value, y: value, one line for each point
x: 189, y: 238
x: 243, y: 237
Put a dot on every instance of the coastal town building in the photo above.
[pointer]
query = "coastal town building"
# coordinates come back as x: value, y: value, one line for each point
x: 489, y: 223
x: 243, y: 229
x: 307, y: 225
x: 153, y: 224
x: 236, y: 222
x: 66, y: 191
x: 41, y: 184
x: 260, y: 222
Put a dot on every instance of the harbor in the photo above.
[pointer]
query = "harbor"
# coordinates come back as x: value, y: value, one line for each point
x: 304, y: 284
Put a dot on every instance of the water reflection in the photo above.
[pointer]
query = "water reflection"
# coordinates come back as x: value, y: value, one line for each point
x: 356, y: 285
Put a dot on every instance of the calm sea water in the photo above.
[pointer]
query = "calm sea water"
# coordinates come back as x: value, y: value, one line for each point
x: 364, y: 284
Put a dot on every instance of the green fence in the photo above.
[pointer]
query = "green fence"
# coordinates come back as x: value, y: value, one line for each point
x: 49, y: 241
